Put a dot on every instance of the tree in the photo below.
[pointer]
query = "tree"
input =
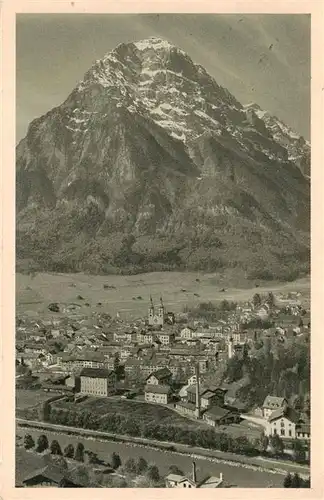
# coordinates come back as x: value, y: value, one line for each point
x: 42, y: 443
x: 271, y: 300
x: 28, y: 442
x: 130, y: 465
x: 153, y: 473
x: 69, y: 451
x: 287, y: 481
x: 307, y: 405
x: 306, y: 483
x: 257, y: 300
x: 299, y: 451
x: 296, y: 481
x: 55, y: 448
x: 79, y: 453
x: 276, y: 444
x: 115, y: 461
x: 91, y: 457
x: 81, y: 475
x: 141, y: 465
x: 264, y: 442
x: 174, y: 469
x: 245, y: 351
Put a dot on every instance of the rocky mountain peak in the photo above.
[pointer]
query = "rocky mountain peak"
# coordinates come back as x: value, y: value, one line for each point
x: 149, y: 161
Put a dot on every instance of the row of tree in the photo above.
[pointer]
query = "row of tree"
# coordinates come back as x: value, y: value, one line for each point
x: 202, y: 437
x: 210, y: 312
x: 42, y: 445
x: 131, y: 468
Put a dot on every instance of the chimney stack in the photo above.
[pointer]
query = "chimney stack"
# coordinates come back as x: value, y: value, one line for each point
x: 197, y: 412
x: 194, y: 475
x: 230, y: 348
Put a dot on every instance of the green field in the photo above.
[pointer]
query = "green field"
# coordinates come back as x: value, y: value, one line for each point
x: 33, y: 294
x: 142, y: 412
x: 30, y: 398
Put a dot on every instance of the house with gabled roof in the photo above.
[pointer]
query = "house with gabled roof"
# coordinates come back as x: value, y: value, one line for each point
x: 159, y: 377
x: 155, y: 393
x: 273, y: 403
x: 283, y: 422
x: 97, y: 381
x: 195, y: 480
x: 217, y: 415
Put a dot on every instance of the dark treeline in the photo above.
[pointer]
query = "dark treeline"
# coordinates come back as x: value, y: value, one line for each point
x: 282, y: 371
x: 126, y: 425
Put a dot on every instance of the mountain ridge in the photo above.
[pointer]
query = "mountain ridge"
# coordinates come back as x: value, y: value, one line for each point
x: 150, y: 164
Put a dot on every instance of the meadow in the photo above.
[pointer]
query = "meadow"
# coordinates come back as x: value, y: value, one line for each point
x: 129, y: 295
x: 30, y: 398
x: 142, y: 412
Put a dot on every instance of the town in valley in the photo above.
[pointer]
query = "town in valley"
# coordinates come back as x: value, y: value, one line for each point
x: 204, y: 397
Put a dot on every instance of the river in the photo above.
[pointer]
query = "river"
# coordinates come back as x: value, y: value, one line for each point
x: 235, y: 475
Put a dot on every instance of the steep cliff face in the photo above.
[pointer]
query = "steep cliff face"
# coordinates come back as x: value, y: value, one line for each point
x: 150, y: 164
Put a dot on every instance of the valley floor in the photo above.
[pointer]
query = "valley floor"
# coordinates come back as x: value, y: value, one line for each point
x: 129, y: 295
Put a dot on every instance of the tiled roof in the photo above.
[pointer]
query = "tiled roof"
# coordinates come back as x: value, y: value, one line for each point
x: 161, y: 374
x: 216, y: 412
x: 175, y: 477
x: 185, y: 404
x: 208, y: 395
x: 273, y: 402
x: 51, y: 472
x: 211, y: 482
x: 96, y: 372
x: 158, y: 389
x: 290, y: 414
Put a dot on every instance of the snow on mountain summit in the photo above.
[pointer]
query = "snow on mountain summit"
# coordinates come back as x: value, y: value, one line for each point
x: 158, y: 81
x: 297, y: 147
x: 154, y: 43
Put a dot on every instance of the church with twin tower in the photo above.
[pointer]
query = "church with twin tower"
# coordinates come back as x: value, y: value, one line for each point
x: 156, y: 316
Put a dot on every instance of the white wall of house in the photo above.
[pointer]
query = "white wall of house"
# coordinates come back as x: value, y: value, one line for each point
x: 156, y: 398
x: 284, y: 427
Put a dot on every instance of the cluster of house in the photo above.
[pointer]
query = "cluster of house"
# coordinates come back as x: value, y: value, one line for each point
x: 74, y: 342
x: 55, y: 475
x: 153, y: 351
x: 193, y: 400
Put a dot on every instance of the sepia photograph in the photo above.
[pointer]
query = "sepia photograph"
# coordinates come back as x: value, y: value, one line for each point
x: 162, y: 211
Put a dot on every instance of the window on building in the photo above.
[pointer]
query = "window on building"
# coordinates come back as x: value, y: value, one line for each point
x: 274, y: 431
x: 282, y: 432
x: 289, y: 432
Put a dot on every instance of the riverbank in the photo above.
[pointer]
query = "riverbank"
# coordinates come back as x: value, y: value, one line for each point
x: 253, y: 463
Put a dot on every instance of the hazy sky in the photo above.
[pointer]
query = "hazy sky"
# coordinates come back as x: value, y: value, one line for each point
x: 55, y: 50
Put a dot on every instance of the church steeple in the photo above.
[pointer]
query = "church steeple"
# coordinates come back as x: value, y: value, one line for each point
x: 151, y: 309
x: 161, y: 308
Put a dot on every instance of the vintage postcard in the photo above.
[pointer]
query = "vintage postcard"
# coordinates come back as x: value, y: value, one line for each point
x: 160, y: 162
